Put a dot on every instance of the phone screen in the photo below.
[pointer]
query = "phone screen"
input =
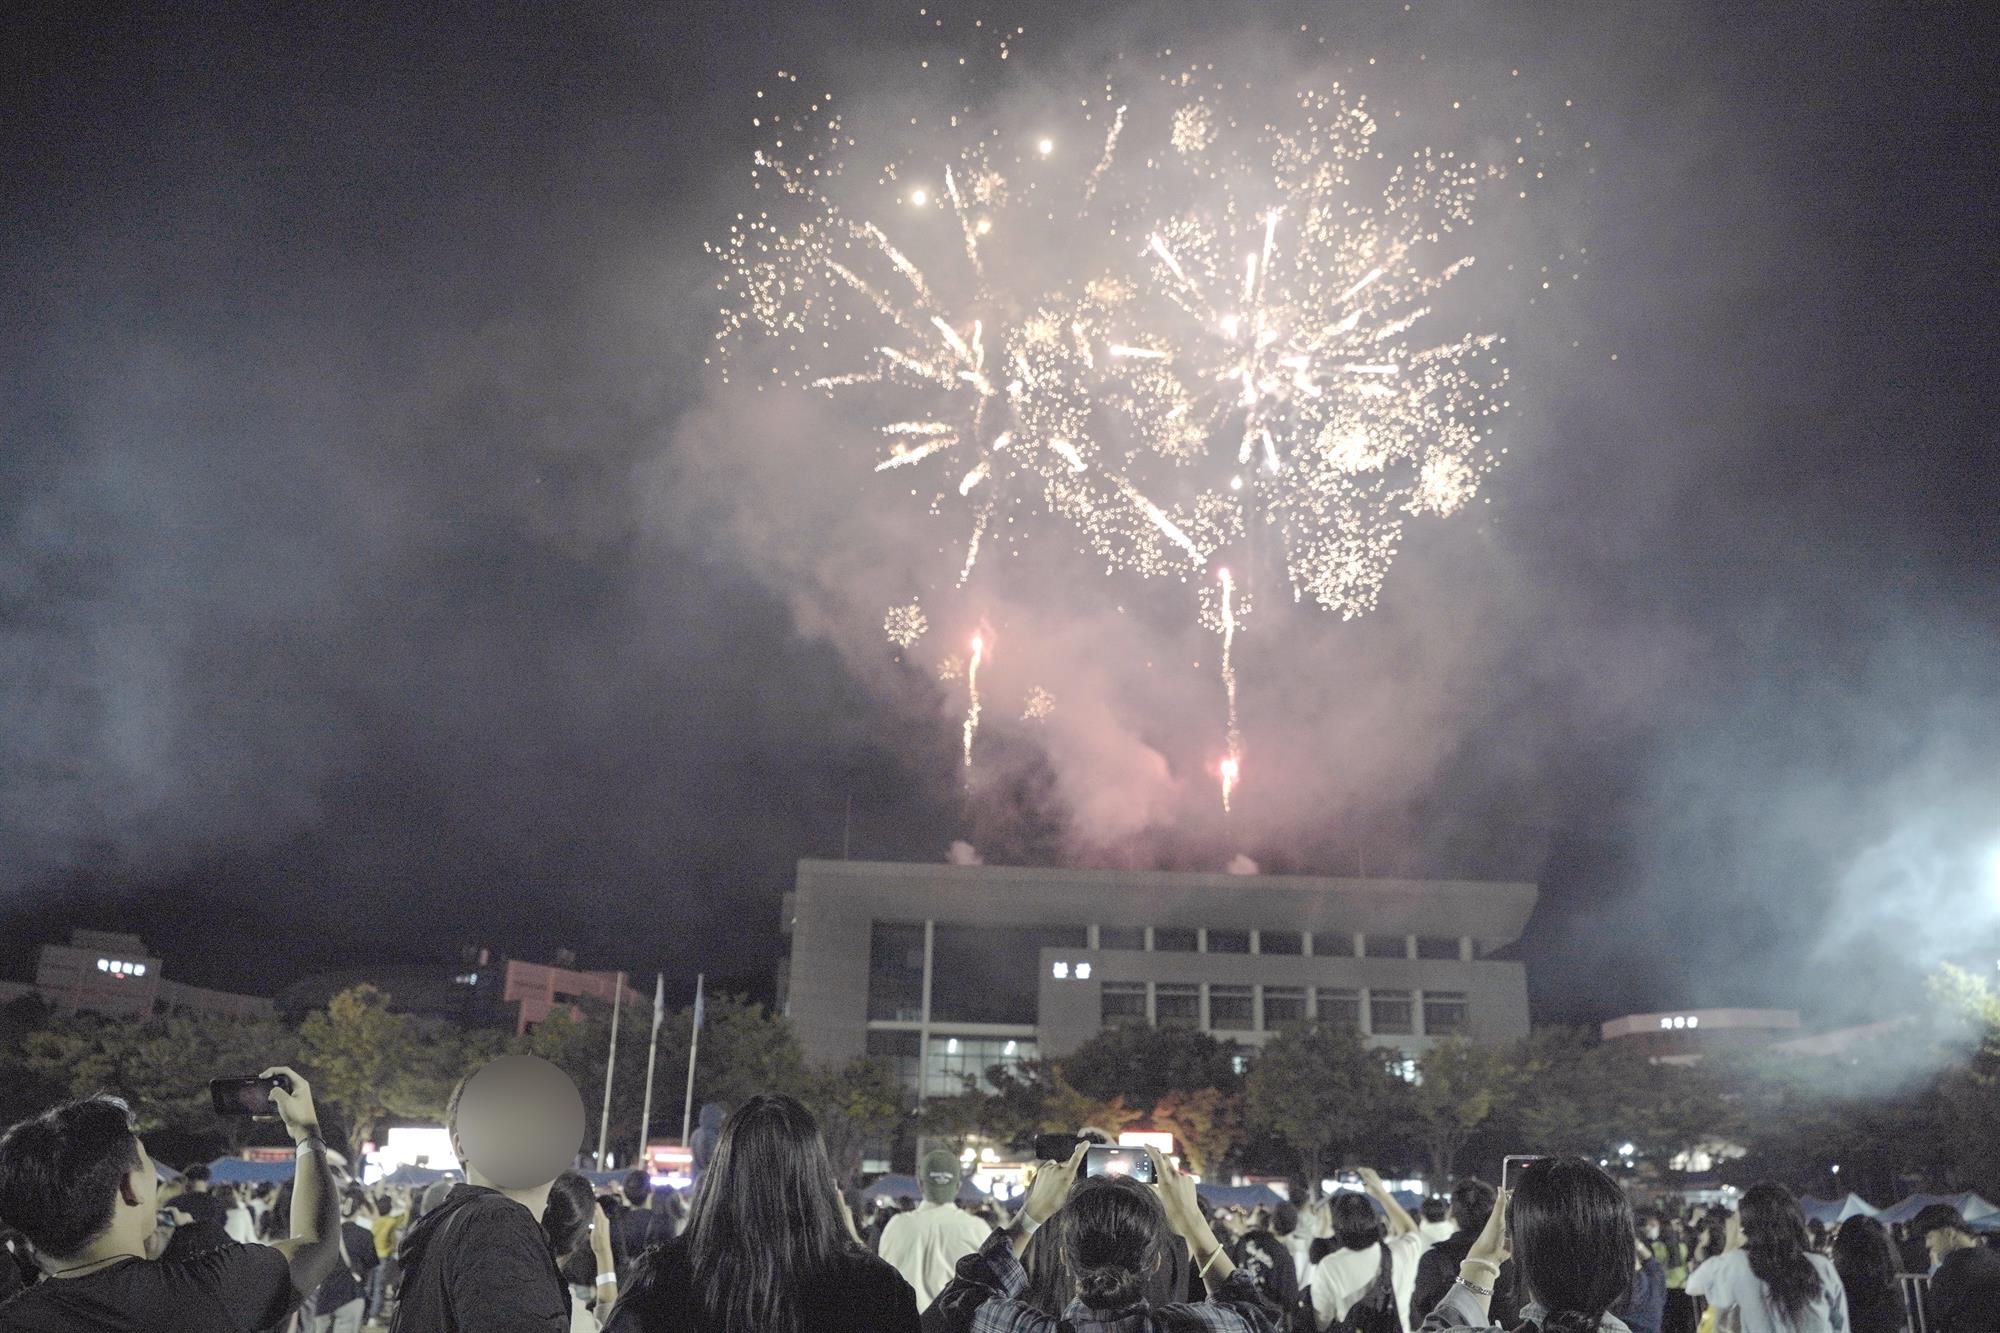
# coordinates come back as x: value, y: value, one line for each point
x: 1105, y: 1160
x: 242, y: 1096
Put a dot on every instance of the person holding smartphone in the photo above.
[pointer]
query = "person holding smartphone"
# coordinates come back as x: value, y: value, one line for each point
x: 78, y: 1182
x: 1110, y: 1236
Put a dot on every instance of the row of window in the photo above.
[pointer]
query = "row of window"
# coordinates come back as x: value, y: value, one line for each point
x: 1380, y: 1013
x: 1322, y: 944
x: 944, y: 1068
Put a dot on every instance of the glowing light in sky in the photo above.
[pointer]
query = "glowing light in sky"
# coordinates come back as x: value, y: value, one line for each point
x: 1218, y: 338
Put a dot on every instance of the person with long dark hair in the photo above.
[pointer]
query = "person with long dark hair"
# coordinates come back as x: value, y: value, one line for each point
x: 1768, y: 1273
x: 769, y: 1246
x: 1110, y: 1240
x: 1871, y: 1275
x: 1568, y: 1228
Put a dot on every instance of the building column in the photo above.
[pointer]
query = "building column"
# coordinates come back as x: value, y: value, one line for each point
x: 924, y: 1028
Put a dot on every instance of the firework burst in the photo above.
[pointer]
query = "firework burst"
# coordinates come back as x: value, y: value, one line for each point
x: 1168, y: 335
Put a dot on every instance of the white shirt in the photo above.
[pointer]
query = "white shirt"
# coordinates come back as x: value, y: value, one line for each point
x: 1344, y: 1276
x: 1728, y: 1283
x: 1433, y: 1232
x: 240, y: 1224
x: 926, y: 1244
x: 1301, y: 1246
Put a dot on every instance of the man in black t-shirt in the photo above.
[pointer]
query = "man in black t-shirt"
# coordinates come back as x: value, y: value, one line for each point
x: 79, y: 1184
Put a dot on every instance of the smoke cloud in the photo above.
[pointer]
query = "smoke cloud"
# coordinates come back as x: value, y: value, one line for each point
x: 373, y: 534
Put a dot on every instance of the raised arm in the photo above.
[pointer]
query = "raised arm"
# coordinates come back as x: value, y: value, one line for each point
x: 1400, y: 1221
x: 314, y: 1246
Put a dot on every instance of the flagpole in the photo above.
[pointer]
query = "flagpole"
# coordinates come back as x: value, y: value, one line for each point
x: 687, y: 1102
x: 610, y: 1069
x: 652, y: 1054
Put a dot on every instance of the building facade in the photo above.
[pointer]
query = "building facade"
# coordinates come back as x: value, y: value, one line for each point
x: 103, y: 972
x: 949, y: 970
x: 483, y: 990
x: 1683, y: 1036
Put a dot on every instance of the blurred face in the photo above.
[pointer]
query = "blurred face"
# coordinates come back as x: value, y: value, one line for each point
x: 1940, y: 1242
x: 1652, y: 1231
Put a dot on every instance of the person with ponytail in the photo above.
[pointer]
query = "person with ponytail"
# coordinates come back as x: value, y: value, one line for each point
x: 769, y: 1245
x: 1568, y: 1229
x: 1110, y: 1230
x: 1768, y: 1273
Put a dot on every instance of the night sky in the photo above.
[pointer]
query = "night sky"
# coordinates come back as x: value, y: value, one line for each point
x: 379, y: 572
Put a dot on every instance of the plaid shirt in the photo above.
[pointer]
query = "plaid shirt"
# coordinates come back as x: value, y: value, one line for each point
x: 985, y: 1297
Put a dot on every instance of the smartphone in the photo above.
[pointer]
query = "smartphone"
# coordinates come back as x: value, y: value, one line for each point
x: 1511, y: 1168
x: 1110, y: 1160
x: 1055, y: 1147
x: 245, y: 1096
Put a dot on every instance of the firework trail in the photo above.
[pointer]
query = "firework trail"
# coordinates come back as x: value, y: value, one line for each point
x: 1232, y: 764
x: 972, y: 694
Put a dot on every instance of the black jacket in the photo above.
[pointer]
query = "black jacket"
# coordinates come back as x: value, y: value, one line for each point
x: 858, y: 1294
x: 479, y: 1263
x: 1438, y: 1269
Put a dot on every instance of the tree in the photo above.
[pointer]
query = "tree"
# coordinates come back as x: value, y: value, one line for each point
x: 859, y: 1103
x: 161, y: 1066
x: 1208, y: 1123
x: 373, y: 1064
x: 1460, y: 1085
x: 958, y: 1119
x: 1321, y: 1090
x: 1037, y: 1096
x: 1144, y: 1064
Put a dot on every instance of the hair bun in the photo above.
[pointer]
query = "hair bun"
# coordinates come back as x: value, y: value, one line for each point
x: 1109, y: 1287
x: 1571, y: 1321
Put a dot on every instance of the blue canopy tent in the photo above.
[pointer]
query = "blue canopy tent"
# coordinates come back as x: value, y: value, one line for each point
x: 906, y: 1187
x: 1239, y: 1196
x: 418, y: 1177
x: 234, y: 1170
x: 1832, y: 1212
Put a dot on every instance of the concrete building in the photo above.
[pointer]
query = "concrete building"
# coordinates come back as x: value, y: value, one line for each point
x: 948, y: 970
x: 482, y: 990
x: 1685, y: 1035
x: 103, y: 972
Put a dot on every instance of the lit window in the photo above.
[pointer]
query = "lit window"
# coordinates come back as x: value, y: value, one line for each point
x: 1061, y: 971
x: 1083, y: 971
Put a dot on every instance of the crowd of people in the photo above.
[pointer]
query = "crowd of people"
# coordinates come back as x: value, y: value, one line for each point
x: 768, y: 1241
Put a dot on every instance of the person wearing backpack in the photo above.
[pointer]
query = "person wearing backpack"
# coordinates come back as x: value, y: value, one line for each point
x: 1364, y: 1284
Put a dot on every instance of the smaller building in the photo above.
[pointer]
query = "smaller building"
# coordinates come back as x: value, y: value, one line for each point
x: 481, y: 990
x: 1683, y: 1036
x: 105, y: 972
